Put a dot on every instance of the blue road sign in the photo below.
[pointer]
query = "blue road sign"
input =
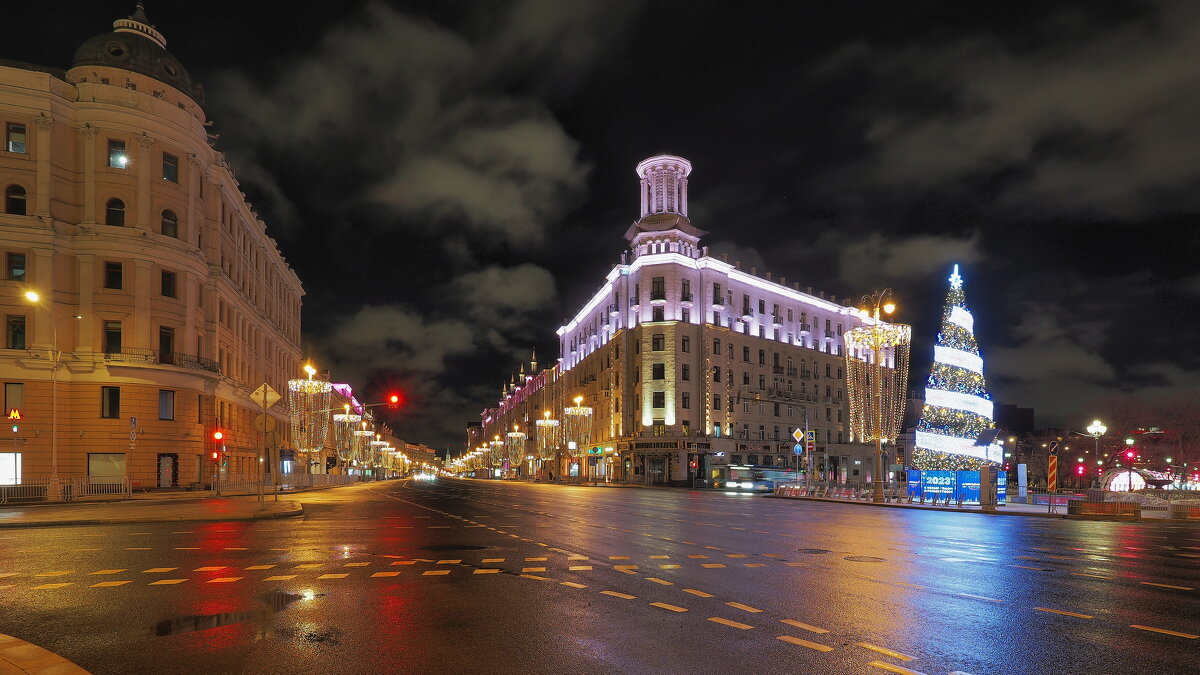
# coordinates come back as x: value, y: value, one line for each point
x: 798, y: 448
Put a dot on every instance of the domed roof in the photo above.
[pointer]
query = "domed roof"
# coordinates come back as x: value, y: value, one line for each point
x: 135, y: 45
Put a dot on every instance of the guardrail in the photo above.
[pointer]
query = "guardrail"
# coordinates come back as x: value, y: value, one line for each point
x: 68, y: 488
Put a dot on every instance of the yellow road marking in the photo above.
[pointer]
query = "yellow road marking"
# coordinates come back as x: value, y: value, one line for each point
x: 533, y: 569
x: 805, y: 643
x: 731, y: 624
x: 772, y: 555
x: 796, y: 564
x: 260, y: 567
x: 333, y: 576
x: 1059, y: 611
x: 800, y: 624
x: 534, y: 576
x: 282, y: 577
x: 187, y: 548
x: 664, y: 605
x: 168, y: 582
x: 536, y: 559
x: 154, y: 570
x: 384, y: 574
x: 664, y: 582
x: 356, y: 564
x: 668, y: 567
x: 449, y: 562
x: 54, y: 574
x: 1094, y: 576
x: 223, y: 580
x: 1164, y: 631
x: 236, y: 548
x: 625, y: 567
x: 435, y: 573
x: 660, y: 557
x: 744, y: 608
x: 308, y: 566
x: 891, y: 667
x: 736, y: 555
x: 488, y: 570
x: 579, y: 568
x: 1178, y: 588
x: 572, y: 584
x: 576, y: 556
x: 753, y: 565
x: 405, y: 562
x: 615, y: 594
x: 697, y: 593
x: 281, y: 549
x: 711, y: 565
x: 489, y: 560
x: 210, y: 569
x: 46, y: 587
x: 105, y: 572
x: 885, y: 651
x: 106, y: 584
x: 697, y: 555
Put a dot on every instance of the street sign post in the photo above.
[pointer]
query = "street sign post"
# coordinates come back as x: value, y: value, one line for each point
x: 1052, y: 475
x: 798, y: 434
x: 798, y: 449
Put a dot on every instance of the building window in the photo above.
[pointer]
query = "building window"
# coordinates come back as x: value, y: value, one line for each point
x: 686, y: 294
x: 14, y: 395
x: 168, y: 284
x: 657, y: 314
x: 170, y: 224
x: 112, y: 337
x: 685, y: 372
x: 112, y: 275
x: 718, y: 299
x: 14, y: 200
x: 15, y: 266
x: 685, y: 344
x: 658, y: 342
x: 117, y: 158
x: 659, y: 399
x: 685, y: 316
x: 114, y: 213
x: 110, y: 402
x: 16, y: 138
x: 762, y: 357
x: 716, y: 402
x: 686, y: 427
x: 746, y: 354
x: 166, y: 345
x: 716, y: 347
x: 685, y: 400
x: 658, y: 371
x: 166, y: 404
x: 660, y: 427
x: 14, y: 331
x: 717, y: 374
x: 658, y: 288
x: 170, y: 167
x: 762, y: 381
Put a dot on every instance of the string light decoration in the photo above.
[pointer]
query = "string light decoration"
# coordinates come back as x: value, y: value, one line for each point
x: 375, y: 455
x: 360, y: 443
x: 577, y: 427
x: 877, y: 407
x: 514, y: 447
x: 343, y: 433
x: 496, y: 453
x: 547, y: 436
x: 957, y: 405
x: 308, y: 405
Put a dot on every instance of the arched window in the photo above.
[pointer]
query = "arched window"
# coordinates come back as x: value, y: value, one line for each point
x: 14, y: 200
x: 114, y: 213
x: 170, y: 224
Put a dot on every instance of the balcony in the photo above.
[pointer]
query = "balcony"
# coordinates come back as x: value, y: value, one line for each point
x: 718, y: 303
x: 686, y: 297
x: 747, y: 314
x: 777, y: 321
x: 613, y: 311
x: 791, y: 372
x: 828, y: 333
x: 147, y: 355
x: 778, y: 370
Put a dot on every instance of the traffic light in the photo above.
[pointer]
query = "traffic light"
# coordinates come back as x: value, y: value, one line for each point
x: 694, y: 464
x: 1079, y: 469
x: 1129, y: 454
x: 393, y: 401
x: 218, y: 435
x: 215, y: 456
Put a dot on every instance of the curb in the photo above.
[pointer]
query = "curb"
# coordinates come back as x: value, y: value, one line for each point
x: 19, y: 656
x: 946, y: 509
x: 181, y: 519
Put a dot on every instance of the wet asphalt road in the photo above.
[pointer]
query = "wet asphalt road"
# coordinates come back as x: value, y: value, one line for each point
x: 473, y: 577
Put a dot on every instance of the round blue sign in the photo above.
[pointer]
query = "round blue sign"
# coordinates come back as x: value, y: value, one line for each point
x: 798, y: 448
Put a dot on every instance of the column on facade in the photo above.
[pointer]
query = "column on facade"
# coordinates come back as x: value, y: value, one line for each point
x: 89, y: 174
x: 145, y: 166
x: 43, y: 280
x: 191, y: 303
x: 85, y: 268
x: 45, y: 125
x: 142, y: 287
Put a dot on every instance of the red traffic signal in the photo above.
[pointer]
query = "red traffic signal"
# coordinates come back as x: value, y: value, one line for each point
x: 393, y: 401
x: 218, y: 435
x: 215, y: 455
x: 694, y: 464
x: 1129, y: 454
x: 1079, y: 469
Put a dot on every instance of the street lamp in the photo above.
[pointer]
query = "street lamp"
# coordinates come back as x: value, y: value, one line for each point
x: 1096, y: 429
x: 34, y: 299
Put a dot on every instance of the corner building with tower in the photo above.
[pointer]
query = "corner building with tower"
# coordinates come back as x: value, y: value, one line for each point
x: 119, y: 211
x: 687, y: 363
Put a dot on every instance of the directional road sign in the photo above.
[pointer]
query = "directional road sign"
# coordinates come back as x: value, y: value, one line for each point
x: 798, y: 435
x: 798, y: 449
x: 264, y: 396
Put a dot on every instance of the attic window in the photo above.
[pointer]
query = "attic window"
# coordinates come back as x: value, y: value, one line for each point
x: 171, y: 69
x: 116, y: 49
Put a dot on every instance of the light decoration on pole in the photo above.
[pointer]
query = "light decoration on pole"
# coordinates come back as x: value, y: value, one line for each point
x: 344, y: 433
x: 376, y: 452
x: 957, y: 406
x: 577, y: 427
x: 496, y: 452
x: 360, y: 442
x: 547, y: 436
x: 308, y: 403
x: 515, y: 446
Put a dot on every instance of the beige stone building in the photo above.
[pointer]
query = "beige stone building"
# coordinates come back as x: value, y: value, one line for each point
x: 120, y: 212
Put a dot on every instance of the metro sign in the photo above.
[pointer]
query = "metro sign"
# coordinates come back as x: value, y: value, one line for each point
x: 14, y: 414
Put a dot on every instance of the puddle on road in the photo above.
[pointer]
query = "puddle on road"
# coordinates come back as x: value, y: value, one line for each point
x: 275, y: 601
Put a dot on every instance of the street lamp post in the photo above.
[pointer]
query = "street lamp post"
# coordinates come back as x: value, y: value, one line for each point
x: 1096, y: 429
x: 877, y: 339
x: 55, y: 494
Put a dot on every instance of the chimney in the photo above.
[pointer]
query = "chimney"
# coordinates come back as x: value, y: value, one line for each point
x: 737, y: 264
x: 809, y: 291
x: 821, y: 294
x: 783, y: 281
x: 753, y: 271
x: 768, y: 276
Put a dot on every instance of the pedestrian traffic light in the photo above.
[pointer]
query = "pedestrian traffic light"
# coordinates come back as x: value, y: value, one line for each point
x: 216, y: 455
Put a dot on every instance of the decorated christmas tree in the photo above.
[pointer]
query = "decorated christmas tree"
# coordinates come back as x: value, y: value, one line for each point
x: 956, y: 431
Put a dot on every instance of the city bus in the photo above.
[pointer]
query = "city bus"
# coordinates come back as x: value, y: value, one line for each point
x: 753, y: 478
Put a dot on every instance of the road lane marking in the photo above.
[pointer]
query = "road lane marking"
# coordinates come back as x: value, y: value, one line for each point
x: 384, y: 574
x: 488, y: 570
x: 744, y: 608
x: 1065, y: 613
x: 281, y: 577
x: 107, y: 584
x: 615, y: 594
x: 449, y: 562
x: 753, y: 565
x: 187, y: 548
x: 47, y: 587
x: 156, y: 570
x: 1036, y: 569
x: 333, y: 576
x: 534, y: 576
x: 663, y: 605
x: 800, y: 624
x: 236, y: 548
x: 87, y: 549
x: 660, y: 557
x: 279, y: 549
x: 731, y: 624
x: 579, y: 568
x: 210, y: 569
x: 618, y: 557
x: 260, y: 567
x: 885, y: 651
x: 664, y: 582
x: 435, y: 573
x: 168, y: 582
x: 711, y: 565
x: 697, y: 555
x: 1164, y: 631
x: 224, y: 580
x: 805, y: 643
x: 356, y: 564
x: 668, y: 567
x: 697, y: 593
x: 533, y: 569
x: 309, y: 566
x: 978, y: 597
x: 1178, y: 588
x: 891, y: 667
x: 536, y: 559
x: 490, y: 560
x: 405, y: 562
x: 736, y: 555
x: 625, y: 568
x: 136, y: 548
x: 576, y: 556
x: 104, y: 572
x: 572, y: 584
x: 771, y: 555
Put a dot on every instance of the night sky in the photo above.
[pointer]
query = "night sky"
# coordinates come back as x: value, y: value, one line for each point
x: 451, y: 180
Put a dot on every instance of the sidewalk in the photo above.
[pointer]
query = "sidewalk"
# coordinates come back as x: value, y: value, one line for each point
x: 151, y: 509
x: 1030, y: 510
